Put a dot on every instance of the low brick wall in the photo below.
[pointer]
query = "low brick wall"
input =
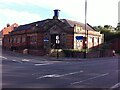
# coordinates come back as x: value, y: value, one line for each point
x: 78, y: 54
x: 103, y: 53
x: 37, y: 52
x: 94, y: 54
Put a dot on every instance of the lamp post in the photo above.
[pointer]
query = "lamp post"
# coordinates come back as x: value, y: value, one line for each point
x: 85, y: 29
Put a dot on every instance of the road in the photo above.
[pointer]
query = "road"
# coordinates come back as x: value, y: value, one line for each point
x: 21, y: 71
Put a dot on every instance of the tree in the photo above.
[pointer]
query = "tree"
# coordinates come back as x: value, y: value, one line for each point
x: 107, y: 30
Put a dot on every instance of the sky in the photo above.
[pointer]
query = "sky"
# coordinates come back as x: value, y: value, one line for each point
x: 99, y: 12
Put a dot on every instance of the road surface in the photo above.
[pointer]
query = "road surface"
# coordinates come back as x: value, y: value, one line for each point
x: 21, y: 71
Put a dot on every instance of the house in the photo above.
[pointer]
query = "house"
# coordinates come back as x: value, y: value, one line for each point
x: 43, y: 36
x: 9, y: 28
x: 6, y: 30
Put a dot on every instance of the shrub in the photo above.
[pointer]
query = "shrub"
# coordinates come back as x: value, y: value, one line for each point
x: 72, y: 52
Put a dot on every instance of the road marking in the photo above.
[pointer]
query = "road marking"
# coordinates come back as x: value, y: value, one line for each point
x: 89, y: 79
x: 57, y: 75
x: 3, y: 57
x: 25, y: 60
x: 41, y: 64
x: 115, y: 86
x: 16, y: 61
x: 117, y: 70
x: 52, y: 75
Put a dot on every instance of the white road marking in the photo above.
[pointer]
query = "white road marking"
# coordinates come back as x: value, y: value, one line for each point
x: 25, y: 60
x: 57, y: 75
x: 3, y: 57
x: 39, y: 64
x: 115, y: 86
x: 89, y: 78
x: 117, y: 70
x: 13, y: 60
x: 52, y: 75
x: 16, y: 61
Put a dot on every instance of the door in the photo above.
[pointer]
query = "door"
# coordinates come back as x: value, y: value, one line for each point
x: 55, y: 41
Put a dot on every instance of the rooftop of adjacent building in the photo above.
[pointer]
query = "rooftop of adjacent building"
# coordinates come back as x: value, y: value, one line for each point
x: 8, y: 29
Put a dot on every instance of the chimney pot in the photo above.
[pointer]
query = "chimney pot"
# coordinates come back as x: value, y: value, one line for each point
x: 56, y: 14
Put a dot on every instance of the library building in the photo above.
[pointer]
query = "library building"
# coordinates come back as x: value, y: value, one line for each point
x: 43, y: 36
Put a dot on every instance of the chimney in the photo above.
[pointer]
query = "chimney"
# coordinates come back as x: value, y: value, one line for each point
x: 8, y: 25
x: 56, y: 14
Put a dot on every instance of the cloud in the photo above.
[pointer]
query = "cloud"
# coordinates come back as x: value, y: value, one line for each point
x: 99, y: 11
x: 71, y: 8
x: 13, y: 1
x: 21, y: 17
x: 12, y: 16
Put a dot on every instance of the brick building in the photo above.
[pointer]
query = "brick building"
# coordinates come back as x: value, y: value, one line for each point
x: 44, y: 35
x: 6, y: 30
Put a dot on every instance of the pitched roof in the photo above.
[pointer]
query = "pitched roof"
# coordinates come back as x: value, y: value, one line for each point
x: 69, y: 23
x: 30, y: 25
x: 72, y: 23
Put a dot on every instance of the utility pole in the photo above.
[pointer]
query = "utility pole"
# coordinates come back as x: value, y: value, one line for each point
x: 85, y: 29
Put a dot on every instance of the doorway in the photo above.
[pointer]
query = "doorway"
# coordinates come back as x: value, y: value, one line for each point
x: 55, y: 41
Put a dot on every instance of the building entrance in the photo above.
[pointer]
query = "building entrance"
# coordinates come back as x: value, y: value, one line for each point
x: 55, y: 41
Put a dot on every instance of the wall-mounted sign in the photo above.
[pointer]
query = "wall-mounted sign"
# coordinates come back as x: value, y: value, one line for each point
x: 57, y: 39
x: 46, y: 39
x: 79, y: 37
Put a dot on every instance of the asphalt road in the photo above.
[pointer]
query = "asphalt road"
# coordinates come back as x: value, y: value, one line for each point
x: 20, y: 71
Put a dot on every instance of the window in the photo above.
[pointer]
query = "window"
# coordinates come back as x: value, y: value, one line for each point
x: 33, y: 39
x: 96, y: 40
x: 23, y: 39
x: 14, y: 40
x: 6, y: 40
x: 18, y: 40
x: 89, y: 39
x: 10, y: 40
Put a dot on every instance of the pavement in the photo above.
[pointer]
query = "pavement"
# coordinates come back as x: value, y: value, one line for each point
x: 47, y: 58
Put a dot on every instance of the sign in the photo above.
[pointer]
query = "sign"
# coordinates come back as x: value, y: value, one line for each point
x: 46, y: 39
x: 79, y: 37
x: 57, y: 39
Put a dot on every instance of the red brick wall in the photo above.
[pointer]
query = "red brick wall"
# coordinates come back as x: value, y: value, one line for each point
x: 5, y: 42
x: 69, y: 41
x: 115, y: 44
x: 37, y: 52
x: 40, y: 41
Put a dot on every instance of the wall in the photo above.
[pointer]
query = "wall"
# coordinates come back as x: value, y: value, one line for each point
x: 69, y: 41
x: 94, y: 38
x: 40, y: 40
x: 115, y: 44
